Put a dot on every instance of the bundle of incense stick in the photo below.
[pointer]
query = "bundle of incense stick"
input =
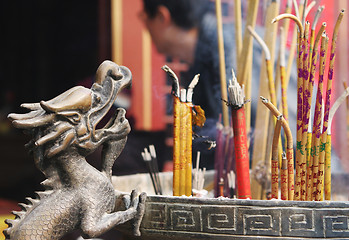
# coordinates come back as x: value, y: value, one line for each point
x: 309, y: 182
x: 199, y: 178
x: 223, y: 159
x: 182, y: 134
x: 198, y: 185
x: 150, y: 160
x: 242, y: 166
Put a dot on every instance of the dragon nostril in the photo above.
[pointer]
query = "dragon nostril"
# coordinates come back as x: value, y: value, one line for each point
x: 115, y: 75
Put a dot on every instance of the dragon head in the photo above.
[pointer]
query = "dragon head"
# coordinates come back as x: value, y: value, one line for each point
x: 68, y: 122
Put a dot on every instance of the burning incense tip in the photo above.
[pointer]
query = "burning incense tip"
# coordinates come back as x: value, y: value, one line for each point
x: 194, y: 81
x: 309, y: 7
x: 175, y: 84
x: 335, y: 106
x: 236, y: 94
x: 261, y: 42
x: 291, y: 16
x: 317, y: 16
x: 264, y: 100
x: 146, y: 155
x: 152, y: 151
x: 191, y: 87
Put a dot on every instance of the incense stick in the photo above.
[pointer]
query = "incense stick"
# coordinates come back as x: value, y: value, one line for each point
x: 309, y: 163
x: 289, y: 153
x: 218, y: 158
x: 331, y: 70
x: 309, y: 7
x: 196, y: 172
x: 327, y: 107
x: 305, y: 111
x: 176, y: 129
x: 275, y: 160
x: 300, y: 111
x: 317, y: 115
x: 284, y: 178
x: 247, y: 46
x: 293, y: 46
x: 263, y: 120
x: 238, y: 29
x: 283, y: 74
x: 189, y: 136
x: 147, y: 159
x: 231, y: 182
x: 335, y: 107
x: 296, y: 8
x: 245, y: 62
x: 154, y: 162
x: 304, y: 11
x: 268, y: 64
x: 236, y: 102
x: 222, y: 62
x: 230, y: 155
x: 283, y: 35
x: 307, y: 116
x: 271, y: 84
x: 290, y: 16
x: 312, y: 34
x: 333, y: 110
x: 202, y: 179
x: 183, y: 142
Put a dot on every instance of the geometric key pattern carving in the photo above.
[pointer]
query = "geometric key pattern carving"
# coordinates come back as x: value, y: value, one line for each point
x: 336, y: 226
x: 219, y: 219
x: 262, y: 222
x: 244, y: 219
x: 300, y: 222
x: 185, y: 218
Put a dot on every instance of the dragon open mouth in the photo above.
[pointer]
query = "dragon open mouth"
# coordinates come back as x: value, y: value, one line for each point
x: 117, y: 125
x: 110, y: 80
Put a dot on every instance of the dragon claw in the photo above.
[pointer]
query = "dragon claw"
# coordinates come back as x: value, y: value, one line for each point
x: 139, y: 216
x: 134, y: 199
x: 127, y: 201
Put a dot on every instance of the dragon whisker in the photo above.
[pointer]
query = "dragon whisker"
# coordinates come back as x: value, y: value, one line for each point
x: 34, y: 122
x: 65, y: 144
x: 53, y: 135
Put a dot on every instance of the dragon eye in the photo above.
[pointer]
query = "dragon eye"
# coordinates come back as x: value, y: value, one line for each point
x: 72, y: 117
x: 97, y: 99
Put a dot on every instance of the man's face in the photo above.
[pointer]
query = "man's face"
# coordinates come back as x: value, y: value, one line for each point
x: 157, y: 30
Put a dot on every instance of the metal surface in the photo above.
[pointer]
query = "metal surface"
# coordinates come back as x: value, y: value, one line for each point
x: 194, y: 218
x: 222, y: 218
x: 77, y: 195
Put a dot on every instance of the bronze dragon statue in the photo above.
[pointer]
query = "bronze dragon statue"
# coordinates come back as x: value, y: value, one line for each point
x: 77, y: 195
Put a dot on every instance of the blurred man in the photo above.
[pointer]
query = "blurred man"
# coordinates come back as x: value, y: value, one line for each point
x: 186, y: 30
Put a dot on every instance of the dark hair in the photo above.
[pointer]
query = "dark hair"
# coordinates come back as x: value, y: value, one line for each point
x: 184, y: 13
